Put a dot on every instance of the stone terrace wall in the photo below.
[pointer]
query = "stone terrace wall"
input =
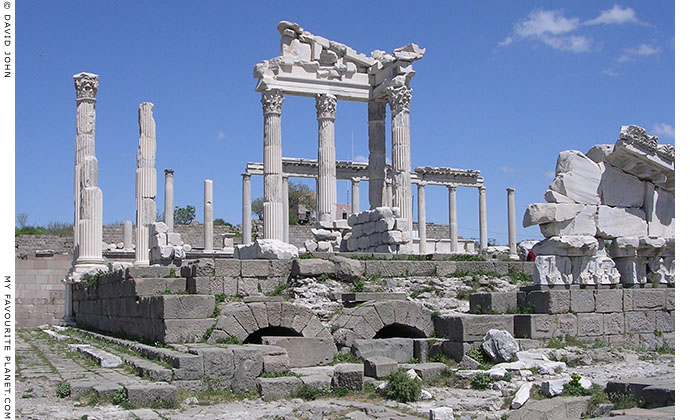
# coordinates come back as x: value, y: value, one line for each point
x: 191, y: 234
x: 40, y: 297
x: 27, y: 244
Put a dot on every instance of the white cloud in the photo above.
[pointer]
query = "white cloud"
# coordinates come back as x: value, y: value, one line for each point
x: 610, y: 72
x: 540, y: 22
x: 360, y: 159
x: 508, y: 170
x: 643, y: 50
x: 577, y: 44
x: 506, y: 42
x: 549, y: 174
x: 616, y: 15
x: 221, y: 135
x: 663, y: 130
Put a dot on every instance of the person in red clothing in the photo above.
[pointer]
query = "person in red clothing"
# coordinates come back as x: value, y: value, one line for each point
x: 530, y: 256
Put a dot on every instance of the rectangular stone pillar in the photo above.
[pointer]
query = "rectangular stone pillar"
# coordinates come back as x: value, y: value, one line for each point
x: 355, y: 196
x: 512, y: 237
x: 399, y: 101
x: 246, y: 209
x: 168, y: 215
x: 377, y: 153
x: 272, y: 101
x: 388, y: 196
x: 421, y: 216
x: 453, y: 219
x: 286, y: 210
x: 327, y: 197
x: 127, y: 236
x: 483, y: 233
x: 208, y: 215
x: 146, y: 182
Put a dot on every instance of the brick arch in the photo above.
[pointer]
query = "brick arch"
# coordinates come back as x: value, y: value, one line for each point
x: 368, y: 319
x: 242, y: 319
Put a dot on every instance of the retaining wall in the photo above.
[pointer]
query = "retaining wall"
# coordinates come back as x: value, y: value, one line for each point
x: 40, y: 293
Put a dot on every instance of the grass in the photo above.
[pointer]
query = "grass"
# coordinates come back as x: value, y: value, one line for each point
x: 309, y: 393
x: 482, y: 358
x: 358, y: 286
x: 481, y: 381
x: 402, y: 388
x: 63, y: 390
x: 574, y: 388
x: 344, y: 358
x: 278, y: 290
x: 228, y: 340
x: 219, y: 299
x: 306, y: 256
x: 570, y: 341
x: 416, y: 293
x: 463, y: 257
x: 622, y: 401
x: 442, y: 358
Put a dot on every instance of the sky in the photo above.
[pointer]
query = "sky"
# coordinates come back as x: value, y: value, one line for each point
x: 503, y: 88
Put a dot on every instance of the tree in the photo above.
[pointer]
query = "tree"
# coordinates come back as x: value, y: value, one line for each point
x: 184, y: 216
x: 299, y: 193
x: 258, y: 207
x: 221, y: 222
x: 22, y: 218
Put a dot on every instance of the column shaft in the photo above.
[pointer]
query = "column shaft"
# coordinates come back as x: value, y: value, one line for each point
x: 421, y: 217
x: 453, y: 219
x: 355, y: 196
x: 168, y: 217
x: 272, y: 101
x: 208, y: 215
x: 512, y: 237
x: 483, y: 234
x: 286, y: 210
x: 246, y: 209
x: 127, y: 235
x: 146, y: 182
x: 377, y: 153
x: 399, y: 100
x: 325, y: 114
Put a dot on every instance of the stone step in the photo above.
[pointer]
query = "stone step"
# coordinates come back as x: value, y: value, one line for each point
x: 367, y: 296
x: 102, y: 357
x: 58, y: 337
x: 655, y: 391
x: 149, y: 370
x: 662, y: 413
x: 140, y: 395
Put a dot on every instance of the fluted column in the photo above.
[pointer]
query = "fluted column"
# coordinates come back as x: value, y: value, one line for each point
x: 325, y: 114
x: 127, y: 235
x: 208, y: 215
x: 246, y: 209
x: 272, y: 101
x: 168, y: 215
x: 286, y: 210
x: 483, y: 233
x: 388, y: 193
x: 453, y: 219
x: 146, y: 182
x: 377, y: 153
x: 512, y: 237
x: 421, y: 216
x: 355, y: 195
x: 399, y: 100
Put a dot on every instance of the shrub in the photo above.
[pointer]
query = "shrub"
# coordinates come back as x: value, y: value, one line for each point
x: 481, y: 381
x: 308, y: 393
x: 229, y: 340
x: 478, y: 354
x: 574, y: 387
x: 120, y: 398
x: 63, y: 390
x: 184, y: 216
x: 403, y: 389
x: 358, y: 286
x: 622, y: 401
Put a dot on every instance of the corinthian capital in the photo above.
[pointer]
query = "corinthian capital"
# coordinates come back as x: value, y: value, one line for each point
x: 325, y: 106
x: 86, y: 85
x: 399, y: 99
x: 272, y: 101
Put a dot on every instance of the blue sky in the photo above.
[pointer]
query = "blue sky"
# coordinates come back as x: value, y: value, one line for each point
x: 503, y: 88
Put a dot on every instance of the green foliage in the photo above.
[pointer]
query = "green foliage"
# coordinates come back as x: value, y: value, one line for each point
x: 277, y: 374
x: 466, y: 257
x: 598, y: 395
x: 184, y: 215
x: 171, y: 274
x: 340, y: 392
x: 219, y: 299
x: 221, y: 222
x: 322, y: 278
x: 258, y: 207
x: 666, y: 350
x: 416, y: 293
x: 63, y: 390
x: 344, y: 358
x: 278, y: 290
x: 481, y: 381
x: 293, y: 218
x: 306, y: 256
x: 574, y: 387
x: 208, y: 332
x: 120, y: 398
x: 477, y: 353
x: 358, y: 286
x: 622, y: 401
x: 443, y: 358
x: 309, y: 393
x: 519, y: 277
x: 403, y: 389
x: 91, y: 280
x: 228, y: 340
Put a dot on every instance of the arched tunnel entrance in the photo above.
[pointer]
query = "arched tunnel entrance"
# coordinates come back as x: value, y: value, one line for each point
x: 256, y: 336
x: 399, y: 331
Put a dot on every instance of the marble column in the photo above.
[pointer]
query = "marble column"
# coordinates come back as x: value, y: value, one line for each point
x: 286, y: 210
x: 246, y: 209
x: 399, y: 100
x: 168, y: 212
x: 388, y: 196
x: 355, y: 196
x: 208, y: 215
x: 483, y: 233
x: 421, y: 216
x: 127, y: 235
x: 377, y: 153
x: 453, y: 219
x: 512, y: 242
x: 325, y: 114
x: 272, y: 102
x: 146, y: 182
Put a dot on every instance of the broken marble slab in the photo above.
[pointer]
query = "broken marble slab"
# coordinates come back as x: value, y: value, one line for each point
x: 661, y: 270
x: 538, y: 213
x: 660, y: 211
x: 624, y: 246
x: 651, y: 246
x: 577, y: 177
x: 599, y: 152
x: 613, y: 222
x: 582, y: 224
x: 594, y: 270
x: 619, y: 189
x: 554, y: 197
x: 551, y: 270
x: 570, y: 245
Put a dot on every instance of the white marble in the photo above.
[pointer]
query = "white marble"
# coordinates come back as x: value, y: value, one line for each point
x: 127, y: 243
x: 582, y: 224
x: 272, y: 101
x: 594, y: 270
x: 246, y: 209
x: 399, y: 96
x: 483, y: 230
x: 326, y: 105
x: 577, y: 177
x: 660, y: 211
x: 618, y: 221
x: 146, y: 182
x: 575, y: 245
x: 512, y: 235
x: 169, y: 205
x: 633, y: 270
x: 619, y: 189
x: 538, y: 213
x: 453, y: 219
x: 377, y: 153
x: 266, y: 249
x: 208, y: 215
x: 552, y: 270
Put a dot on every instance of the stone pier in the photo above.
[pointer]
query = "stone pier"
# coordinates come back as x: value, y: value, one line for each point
x: 399, y: 100
x: 127, y: 236
x: 512, y: 237
x: 146, y: 182
x: 453, y: 219
x: 208, y: 215
x: 327, y: 196
x: 286, y: 210
x: 246, y: 209
x: 421, y: 216
x: 355, y: 195
x: 168, y: 215
x: 483, y: 232
x: 272, y: 101
x: 377, y: 153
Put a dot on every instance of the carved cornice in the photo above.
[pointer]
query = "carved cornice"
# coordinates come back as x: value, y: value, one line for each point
x: 326, y: 106
x: 639, y: 137
x: 86, y: 85
x: 377, y: 111
x: 667, y: 151
x: 272, y: 101
x: 399, y: 99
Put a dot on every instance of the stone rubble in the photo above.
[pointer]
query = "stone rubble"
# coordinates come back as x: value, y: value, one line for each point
x: 377, y: 230
x: 609, y: 215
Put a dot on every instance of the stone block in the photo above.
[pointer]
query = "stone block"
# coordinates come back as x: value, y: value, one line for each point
x: 552, y: 270
x: 633, y: 270
x: 665, y: 321
x: 630, y: 341
x: 230, y: 286
x: 227, y: 267
x: 618, y: 221
x: 205, y: 285
x: 494, y: 302
x: 593, y: 270
x: 535, y: 326
x: 540, y: 213
x: 399, y: 349
x: 321, y: 382
x: 146, y: 272
x: 349, y: 376
x: 312, y: 267
x: 660, y: 211
x: 379, y: 366
x: 150, y: 286
x: 103, y: 358
x: 566, y: 325
x: 582, y: 224
x: 474, y: 327
x: 185, y: 330
x: 441, y: 413
x: 640, y: 322
x: 619, y: 189
x: 581, y: 300
x: 645, y: 299
x: 590, y: 324
x: 627, y: 300
x: 608, y: 300
x: 577, y: 177
x: 305, y: 351
x: 187, y: 306
x: 276, y: 388
x: 140, y: 395
x: 254, y: 268
x: 564, y: 246
x: 549, y: 301
x: 248, y: 366
x: 614, y: 323
x: 670, y: 299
